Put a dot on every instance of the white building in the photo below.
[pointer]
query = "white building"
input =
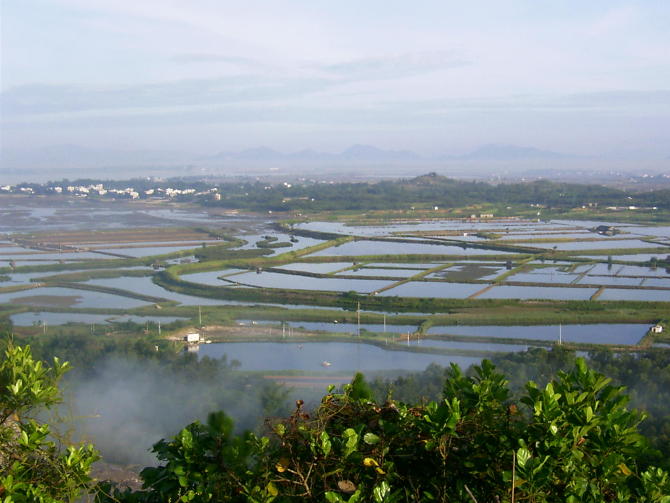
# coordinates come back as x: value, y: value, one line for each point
x: 193, y: 337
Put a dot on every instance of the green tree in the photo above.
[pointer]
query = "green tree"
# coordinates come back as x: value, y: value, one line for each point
x: 572, y: 440
x: 359, y: 389
x: 34, y: 468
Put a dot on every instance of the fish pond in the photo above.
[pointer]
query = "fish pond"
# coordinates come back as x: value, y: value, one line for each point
x: 337, y: 356
x: 600, y: 333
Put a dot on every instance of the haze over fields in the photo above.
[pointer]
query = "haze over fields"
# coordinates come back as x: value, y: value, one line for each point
x: 243, y: 88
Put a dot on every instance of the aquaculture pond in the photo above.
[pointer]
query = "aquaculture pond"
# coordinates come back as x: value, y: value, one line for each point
x: 660, y: 282
x: 64, y: 255
x: 542, y: 276
x: 637, y: 257
x: 387, y: 273
x: 631, y: 294
x: 341, y: 356
x: 634, y: 270
x: 356, y: 248
x: 403, y: 265
x: 407, y: 226
x: 69, y: 297
x: 39, y: 318
x: 298, y: 243
x: 145, y: 286
x: 468, y: 272
x: 146, y: 251
x: 35, y: 215
x: 602, y: 244
x: 537, y: 292
x: 347, y: 328
x: 470, y: 346
x: 212, y: 277
x: 548, y: 235
x: 610, y: 280
x: 435, y: 289
x: 600, y: 333
x: 322, y: 268
x: 290, y: 281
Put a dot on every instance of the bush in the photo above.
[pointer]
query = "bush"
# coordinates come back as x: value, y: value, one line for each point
x: 573, y: 440
x: 32, y: 466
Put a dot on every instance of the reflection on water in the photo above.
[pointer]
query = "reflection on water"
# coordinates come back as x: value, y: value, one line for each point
x: 310, y: 356
x: 28, y: 319
x: 433, y: 289
x: 70, y: 297
x: 537, y: 292
x: 599, y: 333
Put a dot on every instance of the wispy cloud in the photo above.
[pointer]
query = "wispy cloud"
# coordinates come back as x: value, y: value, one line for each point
x: 44, y: 99
x: 215, y: 58
x: 395, y: 66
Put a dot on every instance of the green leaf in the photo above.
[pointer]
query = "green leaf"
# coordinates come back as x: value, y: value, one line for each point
x: 351, y: 441
x: 522, y: 456
x: 326, y: 445
x: 333, y: 497
x: 589, y: 414
x: 381, y: 491
x: 370, y: 439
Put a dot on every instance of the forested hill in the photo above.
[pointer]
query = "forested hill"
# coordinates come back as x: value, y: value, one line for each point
x: 429, y: 190
x: 424, y: 191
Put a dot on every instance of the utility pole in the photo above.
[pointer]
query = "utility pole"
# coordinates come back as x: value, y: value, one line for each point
x: 358, y: 317
x: 159, y: 328
x: 199, y: 316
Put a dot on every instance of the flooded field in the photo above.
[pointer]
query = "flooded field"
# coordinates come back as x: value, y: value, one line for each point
x: 346, y: 328
x: 212, y: 277
x: 536, y: 292
x: 42, y: 235
x: 603, y: 244
x: 354, y: 248
x: 440, y: 290
x: 601, y: 333
x: 49, y: 318
x: 324, y: 268
x: 370, y: 271
x: 644, y: 295
x: 69, y: 297
x: 472, y: 346
x: 341, y: 356
x: 278, y: 280
x: 469, y: 272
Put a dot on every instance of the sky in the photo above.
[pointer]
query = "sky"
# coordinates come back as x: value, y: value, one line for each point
x: 433, y: 76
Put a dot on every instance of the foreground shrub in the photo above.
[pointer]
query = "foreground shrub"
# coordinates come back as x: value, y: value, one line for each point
x: 573, y: 440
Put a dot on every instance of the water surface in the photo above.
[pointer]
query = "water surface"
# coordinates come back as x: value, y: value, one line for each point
x: 343, y: 356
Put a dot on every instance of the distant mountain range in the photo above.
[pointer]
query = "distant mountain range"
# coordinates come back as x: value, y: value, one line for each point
x: 353, y: 153
x: 368, y: 153
x: 60, y: 156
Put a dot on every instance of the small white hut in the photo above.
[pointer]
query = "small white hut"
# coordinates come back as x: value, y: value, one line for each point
x: 192, y: 338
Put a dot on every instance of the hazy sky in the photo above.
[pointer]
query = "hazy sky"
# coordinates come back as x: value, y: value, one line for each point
x: 584, y: 77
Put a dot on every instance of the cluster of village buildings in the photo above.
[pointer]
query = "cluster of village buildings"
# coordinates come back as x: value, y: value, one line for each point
x: 99, y: 189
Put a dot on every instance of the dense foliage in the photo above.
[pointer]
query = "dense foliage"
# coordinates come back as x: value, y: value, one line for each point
x: 427, y: 190
x: 572, y: 440
x: 33, y: 467
x: 646, y: 376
